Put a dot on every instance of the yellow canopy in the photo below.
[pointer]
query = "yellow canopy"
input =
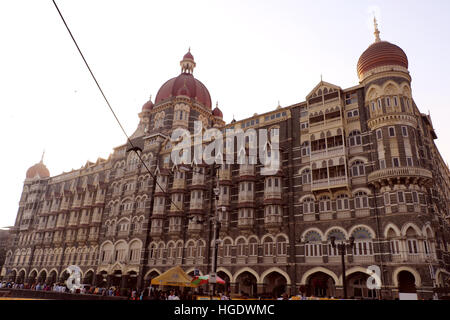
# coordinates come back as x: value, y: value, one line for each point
x: 173, y: 277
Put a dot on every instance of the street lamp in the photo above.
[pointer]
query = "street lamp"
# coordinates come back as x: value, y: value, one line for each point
x: 342, y: 249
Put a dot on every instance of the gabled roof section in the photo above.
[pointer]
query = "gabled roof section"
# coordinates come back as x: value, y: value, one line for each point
x: 321, y: 89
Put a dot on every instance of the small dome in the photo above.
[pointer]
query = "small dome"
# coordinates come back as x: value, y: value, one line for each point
x: 217, y: 113
x: 379, y: 54
x: 38, y: 170
x: 188, y: 55
x: 148, y: 105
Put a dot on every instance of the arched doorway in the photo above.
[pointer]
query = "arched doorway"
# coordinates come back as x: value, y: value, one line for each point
x: 116, y: 279
x: 101, y: 279
x: 132, y: 280
x: 13, y: 276
x: 88, y: 277
x: 275, y: 284
x: 64, y: 276
x: 52, y: 277
x: 32, y: 277
x: 357, y: 287
x: 148, y: 278
x: 246, y: 284
x: 406, y: 282
x: 320, y: 284
x: 224, y: 288
x: 42, y: 276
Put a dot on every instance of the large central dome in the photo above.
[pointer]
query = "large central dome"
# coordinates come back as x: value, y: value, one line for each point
x: 185, y: 85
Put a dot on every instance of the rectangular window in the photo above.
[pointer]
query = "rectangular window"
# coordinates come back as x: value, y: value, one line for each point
x: 395, y: 162
x: 382, y: 164
x: 379, y: 134
x: 404, y: 131
x: 387, y: 199
x: 379, y: 104
x: 388, y: 102
x: 409, y: 161
x: 395, y: 101
x: 391, y: 132
x: 400, y: 197
x: 415, y: 197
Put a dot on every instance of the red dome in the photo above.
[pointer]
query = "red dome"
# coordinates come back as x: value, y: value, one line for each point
x: 38, y: 169
x: 188, y: 55
x: 217, y: 113
x: 381, y: 53
x: 185, y: 84
x: 148, y: 106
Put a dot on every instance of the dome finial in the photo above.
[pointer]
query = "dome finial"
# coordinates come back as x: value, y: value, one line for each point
x: 150, y: 99
x: 42, y: 157
x: 377, y: 32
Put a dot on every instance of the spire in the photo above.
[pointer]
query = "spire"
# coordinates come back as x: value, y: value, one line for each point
x: 377, y: 32
x: 42, y: 158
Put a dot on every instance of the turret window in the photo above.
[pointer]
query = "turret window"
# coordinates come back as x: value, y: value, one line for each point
x: 391, y: 132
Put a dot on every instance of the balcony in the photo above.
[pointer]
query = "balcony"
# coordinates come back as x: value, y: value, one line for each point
x: 93, y: 237
x: 27, y: 214
x: 72, y: 223
x: 76, y: 204
x: 65, y: 205
x: 363, y: 259
x: 328, y: 153
x: 57, y: 239
x: 224, y: 175
x: 48, y: 240
x: 246, y: 197
x: 97, y: 218
x: 174, y: 229
x: 246, y: 170
x: 179, y: 184
x: 123, y: 233
x: 196, y: 205
x: 272, y: 193
x: 337, y: 182
x: 100, y: 198
x: 195, y: 227
x: 88, y: 201
x: 273, y: 220
x: 156, y: 231
x: 198, y: 179
x: 45, y: 209
x: 385, y: 175
x: 224, y: 200
x: 245, y: 223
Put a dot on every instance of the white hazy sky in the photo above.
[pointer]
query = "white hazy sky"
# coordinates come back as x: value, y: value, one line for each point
x: 249, y: 54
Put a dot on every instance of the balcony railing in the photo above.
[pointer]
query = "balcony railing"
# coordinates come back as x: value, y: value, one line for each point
x: 245, y: 222
x: 400, y: 172
x: 328, y: 153
x: 329, y: 183
x: 246, y: 196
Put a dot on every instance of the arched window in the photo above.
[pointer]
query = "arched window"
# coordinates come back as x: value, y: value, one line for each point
x: 411, y: 242
x: 241, y: 247
x: 281, y: 246
x: 354, y: 138
x: 268, y: 246
x: 313, y: 246
x: 191, y: 250
x: 324, y: 204
x: 200, y: 249
x: 342, y: 202
x: 339, y: 236
x: 306, y: 176
x: 357, y: 169
x: 305, y: 149
x: 227, y: 248
x: 363, y: 242
x: 253, y: 247
x: 361, y: 200
x: 308, y: 205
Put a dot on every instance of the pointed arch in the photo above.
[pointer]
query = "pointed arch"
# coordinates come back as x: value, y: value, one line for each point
x: 278, y: 270
x: 245, y: 269
x: 417, y: 278
x: 310, y: 272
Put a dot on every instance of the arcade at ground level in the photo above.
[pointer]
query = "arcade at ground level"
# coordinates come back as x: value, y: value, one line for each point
x: 273, y: 282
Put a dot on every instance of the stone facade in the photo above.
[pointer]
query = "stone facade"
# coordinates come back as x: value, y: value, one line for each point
x: 358, y: 162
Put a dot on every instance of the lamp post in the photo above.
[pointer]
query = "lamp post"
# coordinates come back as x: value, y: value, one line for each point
x: 342, y: 249
x: 216, y: 228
